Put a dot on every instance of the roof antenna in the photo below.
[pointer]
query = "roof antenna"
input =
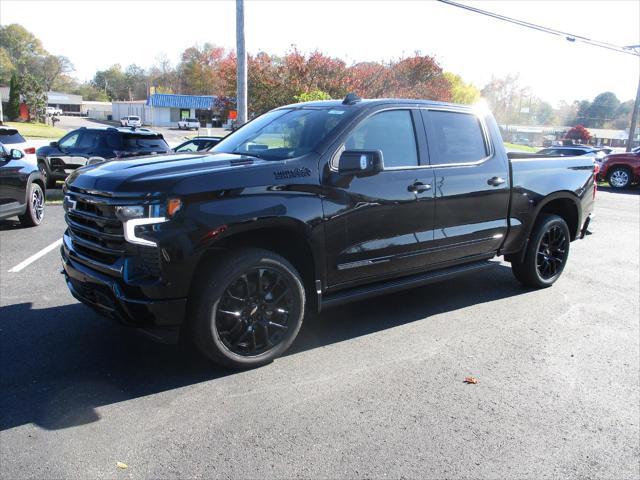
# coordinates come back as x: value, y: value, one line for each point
x: 351, y: 99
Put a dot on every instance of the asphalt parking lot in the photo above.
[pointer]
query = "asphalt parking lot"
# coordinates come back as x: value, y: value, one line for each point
x: 374, y: 389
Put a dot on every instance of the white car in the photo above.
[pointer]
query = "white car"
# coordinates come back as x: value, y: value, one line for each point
x: 11, y: 138
x: 188, y: 124
x: 52, y: 111
x: 130, y: 121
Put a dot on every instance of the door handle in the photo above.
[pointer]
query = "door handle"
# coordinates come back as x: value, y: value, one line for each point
x: 418, y: 187
x: 496, y: 181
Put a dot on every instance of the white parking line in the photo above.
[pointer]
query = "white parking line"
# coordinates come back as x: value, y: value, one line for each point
x: 36, y: 256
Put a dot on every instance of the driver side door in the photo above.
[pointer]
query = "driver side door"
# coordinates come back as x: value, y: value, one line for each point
x: 380, y: 225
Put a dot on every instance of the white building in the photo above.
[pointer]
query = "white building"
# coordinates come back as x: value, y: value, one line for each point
x: 96, y: 110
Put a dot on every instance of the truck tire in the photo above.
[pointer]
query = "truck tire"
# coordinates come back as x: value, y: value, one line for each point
x: 34, y: 213
x: 546, y: 253
x: 248, y: 310
x: 619, y: 178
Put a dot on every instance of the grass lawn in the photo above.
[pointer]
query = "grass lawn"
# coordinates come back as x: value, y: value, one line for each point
x: 36, y: 130
x: 523, y: 148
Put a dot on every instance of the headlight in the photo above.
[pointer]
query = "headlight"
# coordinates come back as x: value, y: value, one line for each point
x: 130, y: 212
x: 133, y: 216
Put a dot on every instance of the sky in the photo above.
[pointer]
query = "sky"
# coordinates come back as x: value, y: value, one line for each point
x: 95, y: 34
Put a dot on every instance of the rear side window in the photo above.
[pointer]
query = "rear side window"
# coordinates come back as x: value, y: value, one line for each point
x: 9, y: 136
x: 145, y: 142
x: 456, y: 137
x: 391, y: 132
x: 89, y: 139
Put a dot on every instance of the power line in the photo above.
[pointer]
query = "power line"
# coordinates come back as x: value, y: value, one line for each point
x: 629, y: 50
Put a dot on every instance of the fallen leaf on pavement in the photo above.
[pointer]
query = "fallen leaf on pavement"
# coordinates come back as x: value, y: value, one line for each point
x: 122, y: 465
x: 472, y: 380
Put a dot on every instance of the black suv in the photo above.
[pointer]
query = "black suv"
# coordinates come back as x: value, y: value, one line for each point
x: 86, y: 146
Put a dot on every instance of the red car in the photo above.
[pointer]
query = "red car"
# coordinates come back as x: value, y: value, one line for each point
x: 621, y: 169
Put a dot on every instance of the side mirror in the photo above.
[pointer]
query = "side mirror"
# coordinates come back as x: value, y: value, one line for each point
x: 362, y: 163
x: 54, y: 144
x: 16, y: 154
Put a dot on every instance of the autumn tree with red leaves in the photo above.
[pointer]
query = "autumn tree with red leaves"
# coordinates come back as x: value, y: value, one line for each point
x: 275, y: 80
x: 578, y: 133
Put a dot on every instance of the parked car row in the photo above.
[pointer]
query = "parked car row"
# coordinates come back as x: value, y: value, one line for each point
x: 619, y: 169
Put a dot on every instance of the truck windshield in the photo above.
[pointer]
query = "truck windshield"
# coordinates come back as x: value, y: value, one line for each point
x: 282, y: 134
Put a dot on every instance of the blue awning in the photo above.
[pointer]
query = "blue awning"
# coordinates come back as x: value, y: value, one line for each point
x: 201, y: 102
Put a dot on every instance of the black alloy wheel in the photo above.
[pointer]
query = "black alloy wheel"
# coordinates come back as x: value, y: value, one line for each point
x: 253, y: 314
x: 551, y: 252
x: 545, y: 254
x: 247, y: 308
x: 34, y: 214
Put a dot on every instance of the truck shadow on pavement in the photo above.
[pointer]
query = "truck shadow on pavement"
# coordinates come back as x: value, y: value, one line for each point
x: 57, y: 365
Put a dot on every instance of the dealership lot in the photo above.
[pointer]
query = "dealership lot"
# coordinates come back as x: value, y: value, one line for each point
x: 369, y: 390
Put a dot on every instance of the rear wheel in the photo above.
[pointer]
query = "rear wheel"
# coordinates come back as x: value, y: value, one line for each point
x: 546, y: 253
x: 619, y: 177
x: 249, y: 309
x: 35, y: 207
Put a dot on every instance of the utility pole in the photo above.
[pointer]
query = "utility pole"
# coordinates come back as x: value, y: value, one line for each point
x: 241, y: 92
x: 634, y: 119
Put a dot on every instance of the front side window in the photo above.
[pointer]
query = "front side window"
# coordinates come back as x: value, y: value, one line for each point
x: 282, y: 134
x: 70, y: 140
x: 392, y: 133
x: 456, y: 137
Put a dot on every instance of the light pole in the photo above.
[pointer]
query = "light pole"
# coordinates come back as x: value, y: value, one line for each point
x: 636, y: 105
x: 241, y: 92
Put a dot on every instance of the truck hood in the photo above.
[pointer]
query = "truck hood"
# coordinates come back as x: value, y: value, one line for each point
x: 159, y: 173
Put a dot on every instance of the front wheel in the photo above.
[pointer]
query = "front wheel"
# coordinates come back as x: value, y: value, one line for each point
x: 34, y: 214
x: 47, y: 178
x: 249, y: 309
x: 546, y: 253
x: 619, y: 177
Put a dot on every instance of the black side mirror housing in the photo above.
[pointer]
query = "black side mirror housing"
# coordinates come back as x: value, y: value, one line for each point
x: 54, y: 144
x: 362, y: 163
x: 16, y: 154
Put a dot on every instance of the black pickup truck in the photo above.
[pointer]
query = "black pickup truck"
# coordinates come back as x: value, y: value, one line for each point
x: 310, y: 206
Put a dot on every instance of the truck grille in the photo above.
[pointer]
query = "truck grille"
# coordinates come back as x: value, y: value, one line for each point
x: 97, y: 236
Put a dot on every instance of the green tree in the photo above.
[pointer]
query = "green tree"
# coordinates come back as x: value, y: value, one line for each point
x: 462, y: 92
x: 603, y: 109
x: 6, y: 67
x: 13, y: 109
x: 543, y: 113
x: 312, y: 96
x: 34, y: 97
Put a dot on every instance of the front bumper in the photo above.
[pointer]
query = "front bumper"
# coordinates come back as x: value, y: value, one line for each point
x: 105, y: 295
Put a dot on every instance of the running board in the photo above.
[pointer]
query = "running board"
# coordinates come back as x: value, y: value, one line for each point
x: 397, y: 284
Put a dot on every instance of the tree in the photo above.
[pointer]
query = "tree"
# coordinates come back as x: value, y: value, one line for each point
x: 13, y: 109
x: 34, y: 96
x: 312, y: 96
x: 578, y: 133
x: 112, y: 81
x: 23, y: 52
x: 543, y: 113
x: 7, y: 68
x: 506, y: 97
x: 603, y: 109
x: 461, y: 92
